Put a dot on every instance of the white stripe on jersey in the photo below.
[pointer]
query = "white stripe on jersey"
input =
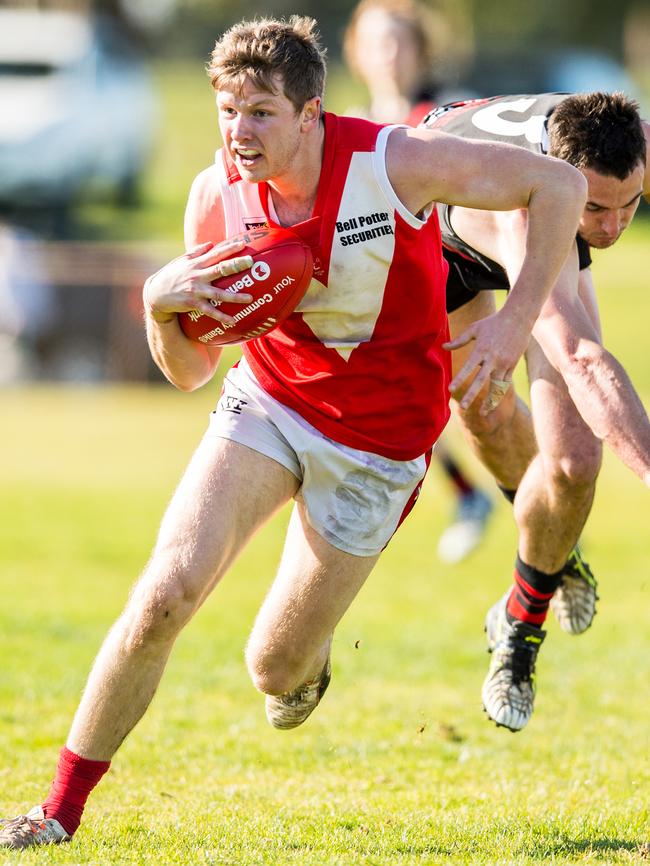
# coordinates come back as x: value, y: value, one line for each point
x: 362, y: 250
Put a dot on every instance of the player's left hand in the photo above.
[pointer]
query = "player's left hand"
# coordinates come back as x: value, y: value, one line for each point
x: 188, y: 282
x: 499, y: 344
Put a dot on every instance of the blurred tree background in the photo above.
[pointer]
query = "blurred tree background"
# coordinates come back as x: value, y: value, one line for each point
x: 514, y: 43
x: 597, y: 24
x: 514, y: 46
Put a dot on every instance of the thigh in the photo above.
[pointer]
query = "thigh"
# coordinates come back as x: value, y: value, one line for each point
x: 354, y: 499
x: 227, y: 492
x: 315, y: 584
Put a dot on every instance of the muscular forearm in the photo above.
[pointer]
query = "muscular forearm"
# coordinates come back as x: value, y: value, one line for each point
x: 185, y: 364
x: 606, y: 400
x: 548, y: 244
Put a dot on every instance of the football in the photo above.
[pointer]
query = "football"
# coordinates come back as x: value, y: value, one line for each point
x: 281, y: 272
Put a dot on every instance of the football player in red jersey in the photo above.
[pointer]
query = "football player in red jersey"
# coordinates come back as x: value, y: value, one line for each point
x: 310, y: 411
x: 580, y: 394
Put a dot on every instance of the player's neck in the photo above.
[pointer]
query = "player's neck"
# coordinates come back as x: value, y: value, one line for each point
x: 294, y: 194
x: 292, y: 209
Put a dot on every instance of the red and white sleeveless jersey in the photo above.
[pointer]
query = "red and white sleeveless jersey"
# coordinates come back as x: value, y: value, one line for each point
x: 361, y: 357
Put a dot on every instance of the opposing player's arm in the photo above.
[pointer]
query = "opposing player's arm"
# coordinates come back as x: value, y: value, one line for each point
x: 185, y: 284
x: 427, y: 165
x: 568, y: 331
x: 587, y: 295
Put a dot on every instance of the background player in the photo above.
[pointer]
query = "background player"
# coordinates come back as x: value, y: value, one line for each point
x: 580, y: 394
x: 315, y: 400
x: 393, y: 47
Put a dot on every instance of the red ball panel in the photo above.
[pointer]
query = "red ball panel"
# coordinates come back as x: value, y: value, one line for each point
x: 280, y: 275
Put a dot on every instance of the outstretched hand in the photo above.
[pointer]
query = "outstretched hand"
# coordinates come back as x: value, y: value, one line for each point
x: 499, y: 345
x: 185, y: 283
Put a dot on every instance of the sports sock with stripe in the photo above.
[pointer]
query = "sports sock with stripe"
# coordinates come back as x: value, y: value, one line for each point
x: 532, y: 593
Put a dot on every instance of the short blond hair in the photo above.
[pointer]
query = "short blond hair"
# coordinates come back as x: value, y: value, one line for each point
x: 261, y: 49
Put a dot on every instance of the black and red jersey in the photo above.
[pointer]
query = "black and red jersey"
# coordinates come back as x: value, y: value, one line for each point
x: 518, y: 120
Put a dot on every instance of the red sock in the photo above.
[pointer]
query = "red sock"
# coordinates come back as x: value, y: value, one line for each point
x: 75, y: 778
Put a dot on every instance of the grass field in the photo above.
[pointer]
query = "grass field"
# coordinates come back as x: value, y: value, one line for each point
x: 398, y: 766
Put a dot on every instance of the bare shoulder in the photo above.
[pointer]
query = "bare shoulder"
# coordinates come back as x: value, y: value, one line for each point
x: 411, y: 152
x: 204, y: 220
x: 204, y: 187
x: 421, y: 162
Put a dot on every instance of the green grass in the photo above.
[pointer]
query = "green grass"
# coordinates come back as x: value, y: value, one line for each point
x: 398, y: 766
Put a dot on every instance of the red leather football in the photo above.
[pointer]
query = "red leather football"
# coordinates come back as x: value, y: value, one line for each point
x: 281, y: 272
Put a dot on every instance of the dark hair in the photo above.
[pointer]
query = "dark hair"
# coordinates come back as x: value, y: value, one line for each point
x: 261, y: 49
x: 600, y: 131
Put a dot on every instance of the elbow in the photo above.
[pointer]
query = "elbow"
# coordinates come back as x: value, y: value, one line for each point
x: 183, y: 377
x: 578, y: 179
x: 188, y: 369
x: 566, y: 184
x: 185, y: 383
x: 185, y: 387
x: 576, y: 183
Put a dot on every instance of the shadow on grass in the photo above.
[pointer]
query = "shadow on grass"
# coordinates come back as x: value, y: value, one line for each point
x: 567, y: 847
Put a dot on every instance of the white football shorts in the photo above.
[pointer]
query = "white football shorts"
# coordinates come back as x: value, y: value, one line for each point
x: 354, y: 499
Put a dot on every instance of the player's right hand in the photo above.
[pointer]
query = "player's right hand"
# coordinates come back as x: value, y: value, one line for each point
x: 185, y: 283
x: 487, y: 373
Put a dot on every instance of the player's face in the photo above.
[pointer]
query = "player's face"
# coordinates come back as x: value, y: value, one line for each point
x: 261, y: 131
x: 611, y: 204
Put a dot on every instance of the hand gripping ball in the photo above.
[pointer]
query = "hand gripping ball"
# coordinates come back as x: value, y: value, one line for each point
x: 281, y: 272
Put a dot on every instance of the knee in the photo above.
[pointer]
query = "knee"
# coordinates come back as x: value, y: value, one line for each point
x: 272, y: 671
x: 161, y: 604
x: 579, y: 466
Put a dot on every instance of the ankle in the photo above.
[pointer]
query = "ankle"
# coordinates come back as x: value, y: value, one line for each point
x: 531, y: 594
x: 74, y: 780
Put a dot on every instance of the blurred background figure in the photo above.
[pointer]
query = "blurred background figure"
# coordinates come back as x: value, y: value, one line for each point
x: 27, y: 305
x: 397, y: 48
x: 473, y: 508
x: 404, y: 53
